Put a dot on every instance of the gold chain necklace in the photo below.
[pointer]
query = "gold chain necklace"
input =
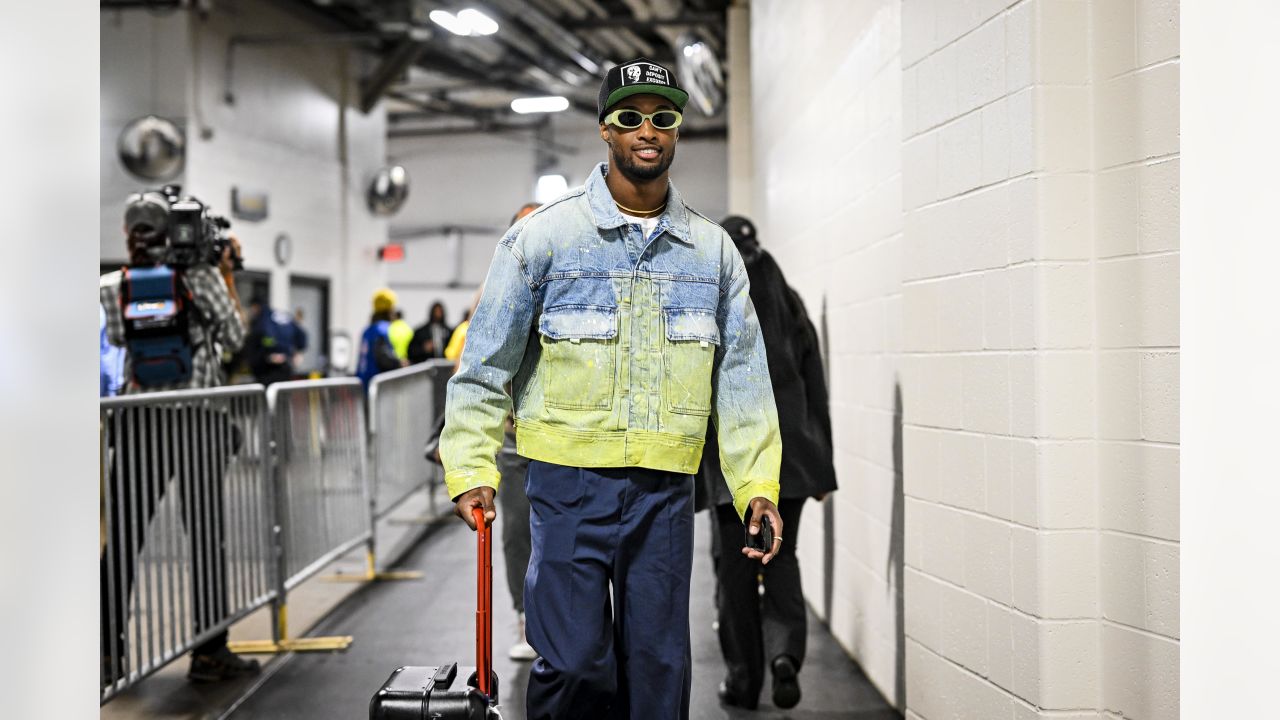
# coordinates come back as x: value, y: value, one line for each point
x: 628, y: 210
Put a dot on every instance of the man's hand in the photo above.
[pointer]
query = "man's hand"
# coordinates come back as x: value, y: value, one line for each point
x: 757, y: 508
x: 481, y: 497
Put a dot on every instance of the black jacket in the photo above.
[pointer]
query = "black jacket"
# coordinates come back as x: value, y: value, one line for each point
x: 799, y: 390
x: 424, y: 334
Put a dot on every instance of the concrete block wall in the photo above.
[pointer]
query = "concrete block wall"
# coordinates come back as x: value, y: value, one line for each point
x: 994, y: 313
x: 1005, y: 257
x: 827, y: 128
x: 1135, y: 163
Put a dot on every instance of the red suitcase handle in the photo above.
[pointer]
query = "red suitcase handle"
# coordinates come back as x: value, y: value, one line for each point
x: 484, y: 602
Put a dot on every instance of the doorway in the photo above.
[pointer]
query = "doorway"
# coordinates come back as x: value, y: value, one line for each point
x: 309, y: 296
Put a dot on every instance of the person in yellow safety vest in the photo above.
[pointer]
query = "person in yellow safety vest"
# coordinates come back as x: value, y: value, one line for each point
x: 401, y: 334
x: 453, y: 350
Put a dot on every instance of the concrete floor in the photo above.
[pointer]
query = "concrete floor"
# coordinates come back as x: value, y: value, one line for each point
x: 431, y: 622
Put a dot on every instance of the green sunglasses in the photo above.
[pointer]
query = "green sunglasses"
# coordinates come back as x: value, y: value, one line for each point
x: 632, y: 119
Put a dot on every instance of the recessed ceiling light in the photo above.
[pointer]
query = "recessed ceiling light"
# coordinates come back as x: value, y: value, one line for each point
x: 552, y: 103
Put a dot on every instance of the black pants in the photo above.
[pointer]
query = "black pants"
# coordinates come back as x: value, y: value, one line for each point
x: 151, y: 448
x: 756, y: 629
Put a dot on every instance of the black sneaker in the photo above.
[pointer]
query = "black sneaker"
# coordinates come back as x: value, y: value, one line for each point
x: 220, y: 665
x: 733, y: 698
x: 786, y: 687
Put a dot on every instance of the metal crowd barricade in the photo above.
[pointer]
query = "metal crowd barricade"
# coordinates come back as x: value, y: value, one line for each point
x: 402, y: 410
x: 321, y: 491
x: 187, y: 514
x: 404, y: 405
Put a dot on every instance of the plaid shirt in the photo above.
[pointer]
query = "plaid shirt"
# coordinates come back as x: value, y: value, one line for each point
x: 215, y: 325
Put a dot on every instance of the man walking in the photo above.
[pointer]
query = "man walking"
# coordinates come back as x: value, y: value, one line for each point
x: 762, y: 615
x: 617, y: 320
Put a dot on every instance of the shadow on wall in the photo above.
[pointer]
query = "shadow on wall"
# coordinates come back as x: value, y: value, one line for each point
x: 828, y: 507
x: 896, y: 560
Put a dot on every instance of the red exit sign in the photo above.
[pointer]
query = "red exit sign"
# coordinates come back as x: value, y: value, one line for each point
x: 391, y: 253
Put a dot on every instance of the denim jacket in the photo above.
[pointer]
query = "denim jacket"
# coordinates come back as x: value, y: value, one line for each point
x: 616, y: 348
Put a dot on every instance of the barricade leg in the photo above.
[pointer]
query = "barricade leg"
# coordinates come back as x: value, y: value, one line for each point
x: 371, y: 571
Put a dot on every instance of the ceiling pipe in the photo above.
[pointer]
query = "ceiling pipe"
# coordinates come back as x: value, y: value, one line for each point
x: 448, y: 66
x: 636, y: 23
x: 559, y: 39
x: 538, y: 54
x: 624, y: 43
x: 433, y: 106
x: 444, y: 131
x: 393, y: 64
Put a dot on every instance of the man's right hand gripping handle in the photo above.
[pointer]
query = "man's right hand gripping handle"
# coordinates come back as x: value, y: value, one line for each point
x: 481, y: 497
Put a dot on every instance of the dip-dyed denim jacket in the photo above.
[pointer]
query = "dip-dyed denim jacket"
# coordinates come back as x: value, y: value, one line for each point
x: 616, y: 350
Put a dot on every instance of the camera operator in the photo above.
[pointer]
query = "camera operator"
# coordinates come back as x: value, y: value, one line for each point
x: 174, y: 246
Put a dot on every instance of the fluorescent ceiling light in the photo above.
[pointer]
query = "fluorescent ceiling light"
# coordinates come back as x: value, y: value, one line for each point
x: 479, y: 23
x: 549, y: 188
x: 553, y: 103
x: 466, y: 22
x: 449, y: 21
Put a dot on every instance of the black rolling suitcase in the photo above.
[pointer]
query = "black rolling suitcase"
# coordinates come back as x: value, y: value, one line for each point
x: 450, y: 692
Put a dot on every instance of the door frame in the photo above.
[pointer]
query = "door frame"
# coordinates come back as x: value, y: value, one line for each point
x: 320, y: 326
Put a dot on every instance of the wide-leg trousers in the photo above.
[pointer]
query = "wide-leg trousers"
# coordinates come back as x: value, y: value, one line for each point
x: 620, y: 654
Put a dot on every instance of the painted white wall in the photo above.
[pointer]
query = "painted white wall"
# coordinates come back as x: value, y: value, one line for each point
x: 1041, y: 307
x: 1134, y: 81
x: 286, y: 134
x: 826, y: 112
x: 143, y: 72
x: 481, y: 180
x: 993, y: 225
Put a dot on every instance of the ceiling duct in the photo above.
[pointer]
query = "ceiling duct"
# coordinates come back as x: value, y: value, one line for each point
x: 696, y: 64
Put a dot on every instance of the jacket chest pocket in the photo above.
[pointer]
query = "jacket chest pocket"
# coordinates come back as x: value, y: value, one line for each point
x: 688, y: 356
x: 579, y: 356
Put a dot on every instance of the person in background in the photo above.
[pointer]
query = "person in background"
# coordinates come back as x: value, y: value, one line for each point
x: 110, y: 360
x: 429, y: 339
x: 453, y: 351
x: 756, y: 627
x: 301, y: 338
x: 401, y: 334
x: 216, y: 321
x: 516, y: 544
x: 376, y: 352
x: 272, y: 344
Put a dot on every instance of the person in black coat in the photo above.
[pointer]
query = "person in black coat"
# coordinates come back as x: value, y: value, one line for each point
x: 756, y: 627
x: 430, y: 338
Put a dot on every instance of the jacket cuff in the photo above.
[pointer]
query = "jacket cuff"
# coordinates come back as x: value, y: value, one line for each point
x: 767, y: 489
x: 464, y: 479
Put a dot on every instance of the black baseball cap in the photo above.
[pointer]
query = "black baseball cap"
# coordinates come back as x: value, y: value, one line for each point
x: 639, y: 76
x: 740, y: 229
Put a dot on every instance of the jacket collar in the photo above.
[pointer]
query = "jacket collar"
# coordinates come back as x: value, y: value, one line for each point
x: 674, y: 220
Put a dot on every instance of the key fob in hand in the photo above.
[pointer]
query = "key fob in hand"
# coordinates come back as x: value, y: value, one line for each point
x: 762, y: 541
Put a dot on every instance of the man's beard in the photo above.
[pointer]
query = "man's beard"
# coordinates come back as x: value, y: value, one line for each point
x: 642, y: 173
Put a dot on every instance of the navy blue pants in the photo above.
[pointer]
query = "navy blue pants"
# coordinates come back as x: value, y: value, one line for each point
x: 629, y: 658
